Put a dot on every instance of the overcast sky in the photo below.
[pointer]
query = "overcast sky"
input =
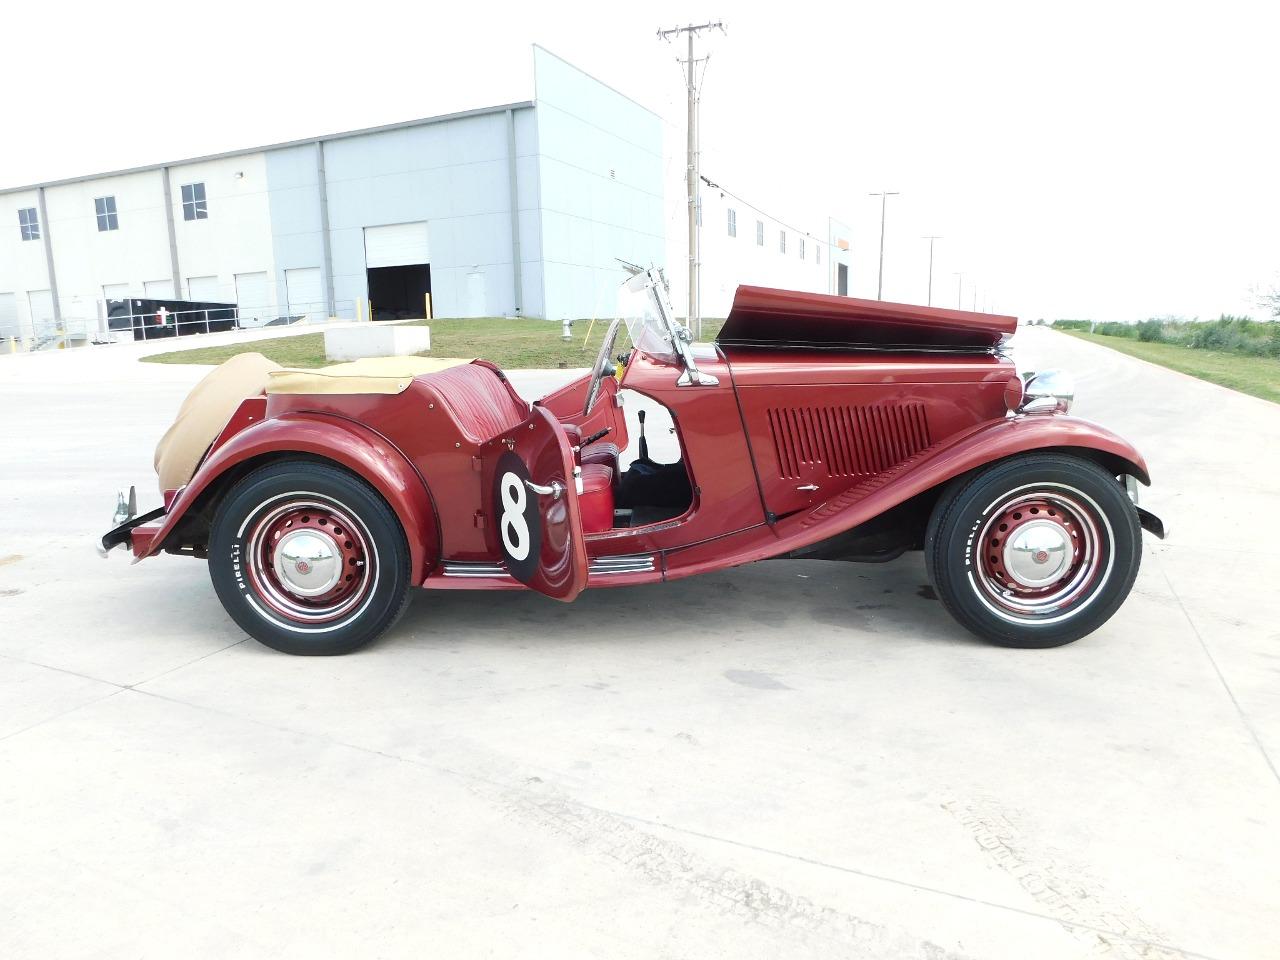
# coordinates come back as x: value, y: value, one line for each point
x: 1112, y: 160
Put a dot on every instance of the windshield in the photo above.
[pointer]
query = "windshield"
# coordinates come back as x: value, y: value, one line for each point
x: 641, y: 310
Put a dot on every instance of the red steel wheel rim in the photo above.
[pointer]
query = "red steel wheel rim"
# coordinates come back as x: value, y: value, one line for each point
x: 309, y: 560
x: 1040, y: 552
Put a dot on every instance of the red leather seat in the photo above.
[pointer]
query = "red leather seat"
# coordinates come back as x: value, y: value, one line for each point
x: 482, y: 404
x: 596, y: 499
x: 602, y: 452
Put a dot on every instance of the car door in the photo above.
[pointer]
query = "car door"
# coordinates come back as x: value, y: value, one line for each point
x: 536, y: 526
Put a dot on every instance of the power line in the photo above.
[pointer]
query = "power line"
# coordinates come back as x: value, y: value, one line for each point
x: 778, y: 220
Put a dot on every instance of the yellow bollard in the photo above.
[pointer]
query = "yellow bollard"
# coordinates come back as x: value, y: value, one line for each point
x: 426, y: 304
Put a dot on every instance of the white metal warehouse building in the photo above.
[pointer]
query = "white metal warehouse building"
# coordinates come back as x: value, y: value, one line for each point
x: 514, y: 210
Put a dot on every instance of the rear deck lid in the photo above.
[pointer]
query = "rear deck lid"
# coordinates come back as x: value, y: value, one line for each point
x: 765, y: 317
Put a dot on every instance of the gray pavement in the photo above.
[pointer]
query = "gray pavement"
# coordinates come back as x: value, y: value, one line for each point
x: 784, y: 760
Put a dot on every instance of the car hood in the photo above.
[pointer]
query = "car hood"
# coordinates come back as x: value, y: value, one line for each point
x: 765, y: 317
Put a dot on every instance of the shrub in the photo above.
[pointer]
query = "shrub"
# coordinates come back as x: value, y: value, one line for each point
x: 1229, y: 333
x: 1151, y: 331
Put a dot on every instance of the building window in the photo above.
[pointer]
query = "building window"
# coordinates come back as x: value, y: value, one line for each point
x: 29, y: 223
x: 802, y: 248
x: 194, y: 206
x: 105, y: 208
x: 759, y: 233
x: 817, y: 252
x: 782, y: 241
x: 733, y: 222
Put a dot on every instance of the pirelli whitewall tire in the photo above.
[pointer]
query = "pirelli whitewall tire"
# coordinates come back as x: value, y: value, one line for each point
x: 1034, y: 551
x: 308, y: 559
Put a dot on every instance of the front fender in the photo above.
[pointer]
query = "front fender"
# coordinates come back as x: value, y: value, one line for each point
x: 935, y: 465
x: 346, y: 443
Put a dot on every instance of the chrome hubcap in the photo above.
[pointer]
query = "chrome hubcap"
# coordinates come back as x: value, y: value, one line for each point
x: 309, y: 559
x: 1037, y: 554
x: 307, y: 562
x: 1041, y: 553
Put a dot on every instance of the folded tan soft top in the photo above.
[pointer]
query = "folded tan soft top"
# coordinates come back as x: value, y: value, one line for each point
x: 214, y: 399
x: 205, y: 412
x: 371, y: 375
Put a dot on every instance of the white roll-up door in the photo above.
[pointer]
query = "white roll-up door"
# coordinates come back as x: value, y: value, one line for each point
x: 205, y: 290
x: 8, y: 314
x: 41, y: 304
x: 158, y: 289
x: 396, y: 245
x: 305, y: 290
x: 115, y: 291
x: 253, y: 299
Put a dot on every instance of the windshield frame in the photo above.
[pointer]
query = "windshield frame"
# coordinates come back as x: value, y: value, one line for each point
x: 657, y: 333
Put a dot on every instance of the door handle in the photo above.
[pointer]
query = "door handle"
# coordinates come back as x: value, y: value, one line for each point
x: 554, y: 491
x: 808, y: 486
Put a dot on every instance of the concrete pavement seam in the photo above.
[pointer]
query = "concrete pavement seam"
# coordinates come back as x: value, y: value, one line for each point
x: 57, y: 716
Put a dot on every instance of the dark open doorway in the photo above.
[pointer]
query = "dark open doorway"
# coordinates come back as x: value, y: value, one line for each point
x: 399, y: 293
x: 842, y: 279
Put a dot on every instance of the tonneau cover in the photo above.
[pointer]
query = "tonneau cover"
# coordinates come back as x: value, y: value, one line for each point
x: 388, y: 375
x: 765, y: 317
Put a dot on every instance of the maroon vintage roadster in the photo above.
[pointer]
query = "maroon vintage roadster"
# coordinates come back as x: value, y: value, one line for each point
x: 815, y: 427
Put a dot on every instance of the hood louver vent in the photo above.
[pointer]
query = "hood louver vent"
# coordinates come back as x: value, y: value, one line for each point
x: 846, y: 441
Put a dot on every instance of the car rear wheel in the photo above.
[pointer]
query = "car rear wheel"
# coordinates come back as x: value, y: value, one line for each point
x: 309, y: 559
x: 1035, y: 551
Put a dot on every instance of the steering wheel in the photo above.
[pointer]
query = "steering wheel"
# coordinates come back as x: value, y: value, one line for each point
x: 602, y: 366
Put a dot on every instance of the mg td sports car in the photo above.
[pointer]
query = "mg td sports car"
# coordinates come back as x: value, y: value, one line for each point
x: 814, y: 427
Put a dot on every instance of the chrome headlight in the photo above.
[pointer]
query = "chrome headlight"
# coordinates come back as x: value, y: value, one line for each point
x: 1048, y: 392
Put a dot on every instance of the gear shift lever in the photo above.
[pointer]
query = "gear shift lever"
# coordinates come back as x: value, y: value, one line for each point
x: 644, y: 444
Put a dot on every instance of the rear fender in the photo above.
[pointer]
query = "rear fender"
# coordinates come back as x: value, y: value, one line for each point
x: 936, y: 465
x: 346, y: 443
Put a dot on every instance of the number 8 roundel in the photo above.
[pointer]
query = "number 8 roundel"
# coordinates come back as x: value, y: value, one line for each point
x: 515, y: 508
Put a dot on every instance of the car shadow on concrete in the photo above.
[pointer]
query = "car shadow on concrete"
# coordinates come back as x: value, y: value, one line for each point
x: 872, y: 604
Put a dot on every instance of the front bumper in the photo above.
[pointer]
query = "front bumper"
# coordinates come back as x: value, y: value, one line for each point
x: 1151, y: 523
x: 128, y: 533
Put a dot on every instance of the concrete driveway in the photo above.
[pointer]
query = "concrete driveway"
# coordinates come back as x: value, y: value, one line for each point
x: 785, y: 760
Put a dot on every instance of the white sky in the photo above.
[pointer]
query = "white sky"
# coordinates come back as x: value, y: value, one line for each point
x: 1112, y: 160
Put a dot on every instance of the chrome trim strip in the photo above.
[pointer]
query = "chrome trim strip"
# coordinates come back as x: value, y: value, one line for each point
x: 459, y: 568
x: 600, y: 567
x: 604, y: 566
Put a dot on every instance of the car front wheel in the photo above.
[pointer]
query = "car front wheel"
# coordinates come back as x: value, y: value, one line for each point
x: 1034, y: 551
x: 309, y: 559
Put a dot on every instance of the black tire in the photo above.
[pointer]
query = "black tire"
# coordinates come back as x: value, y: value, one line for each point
x: 977, y: 574
x: 362, y: 549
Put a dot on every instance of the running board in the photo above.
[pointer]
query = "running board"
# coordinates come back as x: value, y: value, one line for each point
x: 598, y: 567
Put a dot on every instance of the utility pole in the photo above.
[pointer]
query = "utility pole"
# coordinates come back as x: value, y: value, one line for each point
x: 959, y: 287
x: 930, y: 239
x: 884, y: 199
x: 691, y: 171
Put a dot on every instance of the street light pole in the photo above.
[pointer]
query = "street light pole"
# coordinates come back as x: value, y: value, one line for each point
x: 931, y: 239
x: 959, y: 287
x: 884, y: 200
